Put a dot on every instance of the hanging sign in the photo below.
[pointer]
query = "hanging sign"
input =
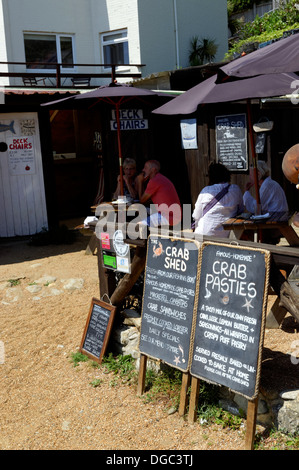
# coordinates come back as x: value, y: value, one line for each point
x: 21, y: 157
x: 231, y: 141
x: 189, y: 133
x: 130, y: 119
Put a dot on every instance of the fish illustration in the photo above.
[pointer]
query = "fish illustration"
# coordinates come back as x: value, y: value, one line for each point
x: 7, y: 127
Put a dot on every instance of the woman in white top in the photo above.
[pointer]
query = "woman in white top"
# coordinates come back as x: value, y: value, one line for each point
x: 217, y: 202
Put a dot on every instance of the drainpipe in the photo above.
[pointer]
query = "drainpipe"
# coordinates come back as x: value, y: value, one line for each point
x: 176, y: 34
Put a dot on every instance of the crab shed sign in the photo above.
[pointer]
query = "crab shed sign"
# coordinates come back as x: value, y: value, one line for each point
x: 169, y: 300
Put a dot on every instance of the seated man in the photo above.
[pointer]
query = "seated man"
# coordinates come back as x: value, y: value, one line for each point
x: 162, y: 193
x: 272, y: 198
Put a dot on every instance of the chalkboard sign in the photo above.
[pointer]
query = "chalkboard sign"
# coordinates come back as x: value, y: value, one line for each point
x: 229, y: 327
x: 97, y: 330
x: 231, y: 141
x: 169, y: 300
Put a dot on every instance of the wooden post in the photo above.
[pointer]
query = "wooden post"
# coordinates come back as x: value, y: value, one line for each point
x: 128, y: 281
x: 186, y: 378
x: 195, y: 383
x: 251, y: 423
x: 142, y: 374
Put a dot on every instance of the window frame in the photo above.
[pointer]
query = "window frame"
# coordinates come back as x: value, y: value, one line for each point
x: 57, y: 37
x: 124, y: 39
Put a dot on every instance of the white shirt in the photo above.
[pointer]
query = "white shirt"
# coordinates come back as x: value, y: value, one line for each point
x: 230, y: 205
x: 272, y: 196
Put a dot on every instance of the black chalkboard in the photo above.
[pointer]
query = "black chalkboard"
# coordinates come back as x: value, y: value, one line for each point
x: 97, y: 329
x: 229, y: 327
x: 169, y: 300
x: 231, y: 141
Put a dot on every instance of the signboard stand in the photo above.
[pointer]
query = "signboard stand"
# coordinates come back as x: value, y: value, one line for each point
x: 251, y: 423
x: 230, y: 323
x: 186, y: 379
x: 204, y: 313
x: 97, y: 330
x: 168, y: 307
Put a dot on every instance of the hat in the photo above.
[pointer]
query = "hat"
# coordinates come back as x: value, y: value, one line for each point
x: 263, y: 169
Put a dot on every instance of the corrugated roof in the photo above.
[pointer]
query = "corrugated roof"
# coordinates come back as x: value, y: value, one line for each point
x: 38, y: 91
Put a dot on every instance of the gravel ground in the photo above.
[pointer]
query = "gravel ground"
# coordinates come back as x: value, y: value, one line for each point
x: 48, y: 404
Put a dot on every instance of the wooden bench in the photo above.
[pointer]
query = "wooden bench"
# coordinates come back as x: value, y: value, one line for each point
x: 279, y: 221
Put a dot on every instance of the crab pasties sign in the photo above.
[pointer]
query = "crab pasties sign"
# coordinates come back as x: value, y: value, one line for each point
x: 230, y: 317
x: 169, y: 300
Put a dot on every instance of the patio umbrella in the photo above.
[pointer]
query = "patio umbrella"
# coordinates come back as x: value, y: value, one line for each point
x: 209, y: 91
x: 279, y: 57
x: 114, y: 94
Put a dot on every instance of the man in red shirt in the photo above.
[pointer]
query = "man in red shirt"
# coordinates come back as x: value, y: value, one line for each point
x: 162, y: 193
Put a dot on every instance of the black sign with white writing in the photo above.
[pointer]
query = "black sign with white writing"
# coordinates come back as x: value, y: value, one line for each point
x: 230, y: 317
x: 231, y: 141
x: 169, y: 299
x: 97, y: 329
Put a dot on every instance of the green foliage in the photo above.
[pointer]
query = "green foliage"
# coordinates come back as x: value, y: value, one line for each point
x: 121, y: 366
x: 237, y: 6
x: 14, y: 282
x: 272, y: 25
x: 163, y: 386
x: 78, y: 357
x: 202, y: 50
x: 281, y: 19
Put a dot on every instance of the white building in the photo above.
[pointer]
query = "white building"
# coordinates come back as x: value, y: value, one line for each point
x: 154, y: 33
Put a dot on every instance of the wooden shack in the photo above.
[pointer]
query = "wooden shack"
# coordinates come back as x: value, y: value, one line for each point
x: 276, y: 142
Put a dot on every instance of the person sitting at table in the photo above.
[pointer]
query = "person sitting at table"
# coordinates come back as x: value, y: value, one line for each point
x: 161, y: 191
x: 129, y: 176
x: 272, y: 196
x: 217, y: 202
x: 272, y: 199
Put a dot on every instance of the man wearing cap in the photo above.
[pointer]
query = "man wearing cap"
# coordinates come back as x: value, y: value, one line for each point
x: 272, y: 196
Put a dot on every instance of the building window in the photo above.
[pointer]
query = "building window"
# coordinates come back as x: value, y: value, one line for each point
x: 48, y: 49
x: 115, y: 48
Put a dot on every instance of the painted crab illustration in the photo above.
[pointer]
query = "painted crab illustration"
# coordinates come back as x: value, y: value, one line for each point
x: 158, y: 250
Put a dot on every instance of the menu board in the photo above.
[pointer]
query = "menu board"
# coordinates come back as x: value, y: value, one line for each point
x: 169, y: 300
x: 97, y: 329
x: 231, y: 141
x: 229, y: 327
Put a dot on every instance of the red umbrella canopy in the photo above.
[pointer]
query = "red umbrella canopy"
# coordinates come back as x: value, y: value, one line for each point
x: 278, y: 57
x: 209, y: 91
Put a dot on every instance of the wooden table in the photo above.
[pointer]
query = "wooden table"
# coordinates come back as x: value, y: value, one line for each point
x: 277, y: 221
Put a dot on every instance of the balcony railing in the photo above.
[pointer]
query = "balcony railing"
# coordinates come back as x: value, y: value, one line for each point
x: 59, y: 77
